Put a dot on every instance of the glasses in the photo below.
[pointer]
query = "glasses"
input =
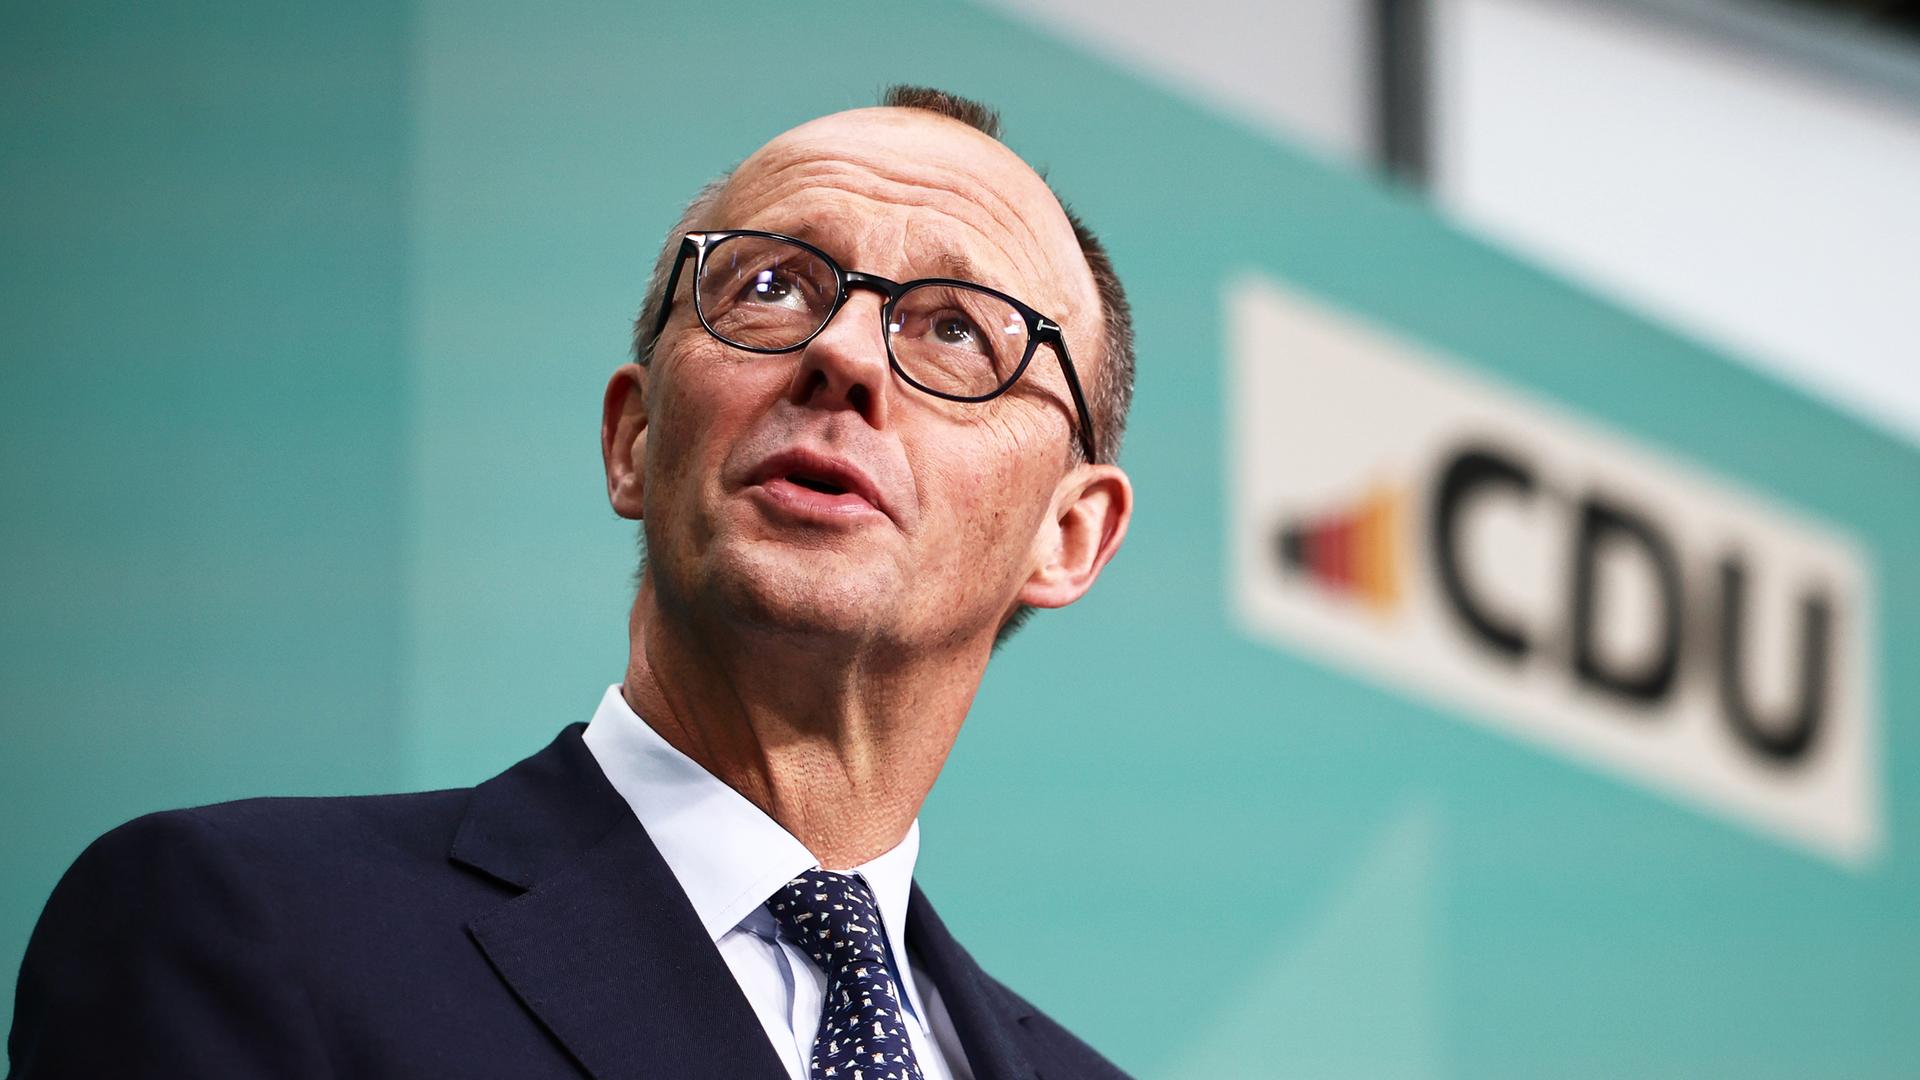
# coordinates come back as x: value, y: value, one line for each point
x: 768, y: 293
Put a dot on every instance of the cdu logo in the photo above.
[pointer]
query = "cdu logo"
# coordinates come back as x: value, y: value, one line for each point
x: 1358, y: 550
x: 1513, y: 564
x: 1353, y: 550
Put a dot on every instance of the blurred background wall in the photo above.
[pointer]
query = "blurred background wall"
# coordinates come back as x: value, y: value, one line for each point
x: 305, y: 311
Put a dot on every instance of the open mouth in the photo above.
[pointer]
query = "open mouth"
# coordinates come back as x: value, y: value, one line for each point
x: 814, y: 483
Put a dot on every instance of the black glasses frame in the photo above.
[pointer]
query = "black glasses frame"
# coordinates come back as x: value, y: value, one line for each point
x: 1040, y: 329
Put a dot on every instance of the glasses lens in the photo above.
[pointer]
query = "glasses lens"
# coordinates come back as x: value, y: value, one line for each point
x: 956, y: 340
x: 761, y: 293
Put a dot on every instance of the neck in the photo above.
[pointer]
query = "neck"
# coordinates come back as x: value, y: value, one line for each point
x: 838, y: 746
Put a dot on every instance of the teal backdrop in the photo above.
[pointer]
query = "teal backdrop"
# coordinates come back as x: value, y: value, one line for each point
x: 304, y: 318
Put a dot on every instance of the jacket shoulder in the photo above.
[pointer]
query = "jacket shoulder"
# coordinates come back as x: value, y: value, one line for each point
x: 173, y: 943
x: 264, y: 834
x: 372, y: 825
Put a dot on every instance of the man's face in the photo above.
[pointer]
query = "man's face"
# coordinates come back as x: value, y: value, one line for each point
x: 934, y: 535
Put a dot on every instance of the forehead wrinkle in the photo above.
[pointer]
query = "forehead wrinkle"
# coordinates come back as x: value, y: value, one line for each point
x: 946, y: 260
x: 901, y: 171
x: 994, y: 267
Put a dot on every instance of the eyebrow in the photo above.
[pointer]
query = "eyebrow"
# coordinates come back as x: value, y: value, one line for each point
x: 950, y: 262
x: 946, y: 262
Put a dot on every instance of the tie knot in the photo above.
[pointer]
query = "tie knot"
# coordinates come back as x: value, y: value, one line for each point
x: 833, y: 918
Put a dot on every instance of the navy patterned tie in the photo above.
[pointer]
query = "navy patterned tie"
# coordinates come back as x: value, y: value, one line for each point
x: 863, y: 1029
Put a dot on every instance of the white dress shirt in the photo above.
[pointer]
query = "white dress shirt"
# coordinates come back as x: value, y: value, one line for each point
x: 730, y: 856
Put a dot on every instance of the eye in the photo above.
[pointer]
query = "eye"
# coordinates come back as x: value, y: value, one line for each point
x: 772, y: 285
x: 953, y: 328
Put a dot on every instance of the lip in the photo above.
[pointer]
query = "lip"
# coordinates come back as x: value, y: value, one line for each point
x: 779, y: 476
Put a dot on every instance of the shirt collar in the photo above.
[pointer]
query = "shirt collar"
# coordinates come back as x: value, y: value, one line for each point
x: 728, y: 855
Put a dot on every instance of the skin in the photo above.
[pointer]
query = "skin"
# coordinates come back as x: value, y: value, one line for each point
x: 821, y: 661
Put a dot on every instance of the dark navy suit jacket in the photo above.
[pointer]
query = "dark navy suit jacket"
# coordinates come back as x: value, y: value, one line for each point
x: 523, y: 928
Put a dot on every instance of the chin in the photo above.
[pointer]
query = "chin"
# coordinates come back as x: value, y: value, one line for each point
x: 778, y: 588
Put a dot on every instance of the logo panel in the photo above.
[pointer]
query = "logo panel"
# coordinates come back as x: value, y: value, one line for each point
x: 1495, y: 554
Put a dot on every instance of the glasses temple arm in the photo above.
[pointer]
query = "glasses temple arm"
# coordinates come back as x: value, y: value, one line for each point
x: 1059, y: 342
x: 666, y: 296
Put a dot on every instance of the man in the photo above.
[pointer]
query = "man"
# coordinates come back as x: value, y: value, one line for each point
x: 879, y: 382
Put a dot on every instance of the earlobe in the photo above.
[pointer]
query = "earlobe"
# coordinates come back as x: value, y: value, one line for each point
x: 623, y: 439
x: 1092, y: 507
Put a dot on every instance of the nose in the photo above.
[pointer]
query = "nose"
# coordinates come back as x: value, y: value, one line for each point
x: 845, y: 365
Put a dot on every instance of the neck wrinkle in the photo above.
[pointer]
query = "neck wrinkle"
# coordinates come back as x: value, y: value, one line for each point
x: 840, y: 752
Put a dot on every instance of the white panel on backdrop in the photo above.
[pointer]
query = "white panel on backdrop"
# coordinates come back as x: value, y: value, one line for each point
x: 1298, y: 69
x: 1712, y: 186
x: 1500, y: 556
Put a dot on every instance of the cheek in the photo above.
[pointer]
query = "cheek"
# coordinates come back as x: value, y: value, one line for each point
x: 994, y: 502
x: 670, y: 457
x: 701, y: 405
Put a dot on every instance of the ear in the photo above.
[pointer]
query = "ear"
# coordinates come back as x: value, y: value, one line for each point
x: 1091, y: 508
x: 623, y: 439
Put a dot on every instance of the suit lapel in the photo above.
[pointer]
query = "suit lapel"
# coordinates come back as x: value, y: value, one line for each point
x: 985, y: 1015
x: 603, y: 947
